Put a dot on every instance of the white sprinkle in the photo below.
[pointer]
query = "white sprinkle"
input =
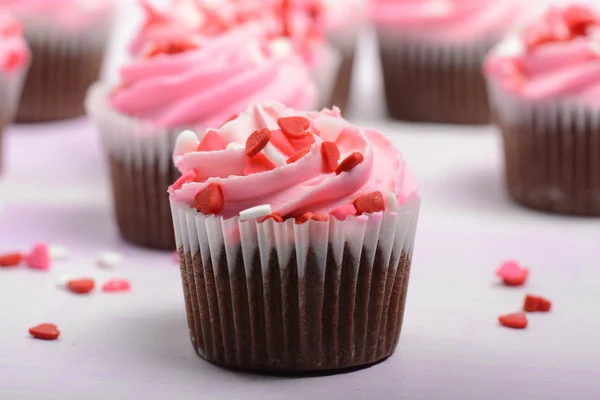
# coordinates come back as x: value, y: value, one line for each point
x: 329, y: 127
x: 110, y: 259
x: 58, y: 253
x: 187, y: 141
x: 280, y: 47
x: 255, y: 212
x: 62, y: 280
x: 391, y: 202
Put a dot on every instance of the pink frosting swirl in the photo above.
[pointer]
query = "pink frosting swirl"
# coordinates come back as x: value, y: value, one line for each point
x: 68, y: 13
x: 14, y: 52
x: 292, y: 189
x: 220, y: 78
x: 447, y: 20
x: 556, y: 57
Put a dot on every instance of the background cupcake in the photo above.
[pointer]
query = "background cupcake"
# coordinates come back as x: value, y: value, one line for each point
x: 197, y: 83
x: 545, y: 90
x: 307, y: 262
x: 432, y: 53
x: 14, y: 61
x: 67, y: 40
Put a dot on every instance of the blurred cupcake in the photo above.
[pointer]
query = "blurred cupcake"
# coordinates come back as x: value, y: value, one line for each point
x: 14, y: 61
x: 545, y: 90
x: 67, y: 39
x: 302, y: 263
x: 177, y: 85
x: 432, y: 53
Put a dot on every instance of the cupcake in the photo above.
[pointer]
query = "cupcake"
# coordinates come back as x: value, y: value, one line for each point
x: 295, y: 242
x: 544, y: 85
x: 299, y: 21
x: 432, y: 53
x: 67, y: 40
x: 193, y: 84
x: 14, y: 61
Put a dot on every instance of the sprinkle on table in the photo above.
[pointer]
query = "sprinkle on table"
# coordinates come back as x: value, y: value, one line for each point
x: 45, y: 331
x: 514, y: 321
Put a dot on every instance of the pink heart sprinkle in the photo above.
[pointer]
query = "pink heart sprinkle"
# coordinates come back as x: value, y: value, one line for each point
x: 116, y: 285
x: 509, y: 268
x: 39, y: 257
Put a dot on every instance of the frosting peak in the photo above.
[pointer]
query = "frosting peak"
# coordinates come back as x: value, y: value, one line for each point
x: 296, y: 162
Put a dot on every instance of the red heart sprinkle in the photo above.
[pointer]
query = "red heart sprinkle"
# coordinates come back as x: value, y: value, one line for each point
x: 210, y: 199
x: 188, y: 177
x: 579, y: 18
x: 274, y: 216
x: 234, y: 116
x: 515, y: 320
x: 331, y: 156
x: 257, y: 141
x: 299, y: 144
x: 299, y: 154
x: 369, y: 203
x: 45, y: 332
x: 349, y: 162
x: 294, y: 127
x: 319, y: 216
x: 259, y: 163
x: 536, y: 303
x: 211, y: 142
x: 81, y: 286
x: 10, y: 259
x: 304, y: 218
x: 512, y: 273
x: 116, y: 285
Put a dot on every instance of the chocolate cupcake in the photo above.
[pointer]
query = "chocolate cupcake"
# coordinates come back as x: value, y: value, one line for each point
x: 295, y: 243
x: 14, y: 62
x: 432, y: 54
x: 194, y: 84
x: 545, y: 90
x: 67, y: 39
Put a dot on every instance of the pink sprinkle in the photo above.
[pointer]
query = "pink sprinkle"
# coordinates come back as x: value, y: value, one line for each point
x: 508, y: 268
x: 176, y: 257
x: 342, y: 212
x: 116, y: 285
x: 39, y: 257
x: 185, y: 178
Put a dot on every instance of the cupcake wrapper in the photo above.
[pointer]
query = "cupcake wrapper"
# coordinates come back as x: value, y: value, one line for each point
x: 11, y: 86
x: 552, y: 153
x: 141, y: 167
x: 325, y: 74
x: 64, y: 65
x: 285, y: 298
x: 426, y: 82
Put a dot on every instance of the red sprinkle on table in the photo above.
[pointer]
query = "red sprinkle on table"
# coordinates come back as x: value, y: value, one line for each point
x: 304, y: 218
x: 45, y: 332
x: 369, y: 203
x: 210, y: 199
x: 331, y: 156
x: 536, y: 303
x: 299, y: 154
x: 234, y: 116
x: 116, y: 285
x: 257, y: 141
x: 274, y: 216
x: 10, y: 259
x: 211, y: 142
x: 514, y: 321
x: 512, y: 273
x: 39, y: 257
x: 294, y: 127
x: 349, y: 163
x: 81, y: 286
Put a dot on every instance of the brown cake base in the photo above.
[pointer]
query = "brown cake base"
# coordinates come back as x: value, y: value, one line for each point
x: 341, y: 90
x: 57, y: 82
x: 142, y: 204
x: 419, y: 89
x: 348, y: 317
x: 554, y: 165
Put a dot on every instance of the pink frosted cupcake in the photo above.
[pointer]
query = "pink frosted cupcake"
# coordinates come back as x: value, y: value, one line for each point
x: 545, y: 90
x: 14, y: 62
x: 197, y: 83
x: 432, y: 53
x: 67, y: 40
x: 301, y: 264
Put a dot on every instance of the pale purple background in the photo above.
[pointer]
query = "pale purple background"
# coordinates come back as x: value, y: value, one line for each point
x: 122, y: 346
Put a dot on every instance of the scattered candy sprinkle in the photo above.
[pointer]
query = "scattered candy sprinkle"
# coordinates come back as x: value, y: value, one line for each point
x: 39, y: 257
x: 257, y: 141
x: 116, y: 285
x: 109, y: 259
x: 342, y: 212
x: 81, y: 286
x: 259, y: 163
x: 211, y: 142
x: 294, y: 127
x: 331, y: 156
x: 299, y: 154
x: 512, y: 273
x: 369, y: 203
x: 304, y: 218
x: 210, y: 199
x: 45, y: 332
x: 234, y: 116
x: 59, y: 253
x: 514, y: 321
x: 274, y: 216
x: 10, y: 259
x: 536, y: 303
x: 255, y: 212
x: 320, y: 216
x: 349, y: 163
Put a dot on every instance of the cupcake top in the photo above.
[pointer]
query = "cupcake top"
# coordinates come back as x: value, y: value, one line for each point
x: 453, y: 21
x: 72, y: 14
x: 14, y: 52
x: 289, y: 163
x: 204, y: 81
x: 557, y: 56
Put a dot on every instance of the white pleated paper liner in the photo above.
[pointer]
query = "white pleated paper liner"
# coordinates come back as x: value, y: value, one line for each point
x: 11, y: 85
x: 65, y: 62
x: 552, y: 151
x: 281, y: 297
x: 140, y: 160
